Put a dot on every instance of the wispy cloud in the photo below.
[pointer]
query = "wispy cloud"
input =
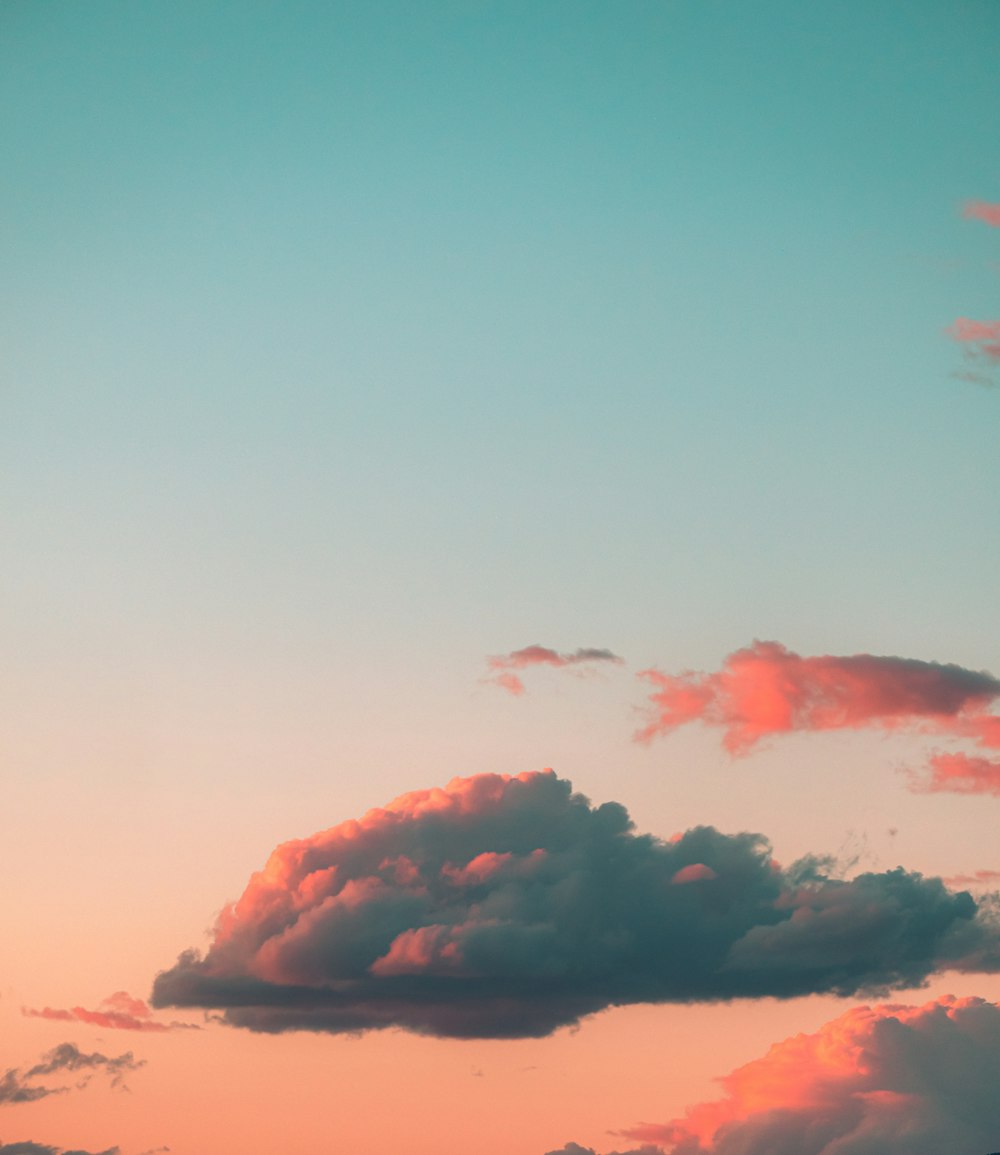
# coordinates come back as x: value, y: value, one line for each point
x: 509, y: 906
x: 118, y: 1012
x: 20, y: 1085
x: 958, y: 774
x: 977, y: 878
x: 980, y: 342
x: 502, y: 666
x: 896, y: 1080
x: 982, y: 211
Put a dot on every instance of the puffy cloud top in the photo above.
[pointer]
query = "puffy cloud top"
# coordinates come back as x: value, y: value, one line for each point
x: 509, y: 906
x: 884, y: 1080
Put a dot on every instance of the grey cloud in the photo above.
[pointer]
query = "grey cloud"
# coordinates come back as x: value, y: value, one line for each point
x: 509, y: 907
x: 19, y: 1086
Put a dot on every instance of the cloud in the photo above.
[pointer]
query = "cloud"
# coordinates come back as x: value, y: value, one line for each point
x: 503, y: 665
x: 977, y: 878
x: 509, y: 906
x: 118, y: 1012
x: 958, y: 774
x: 766, y: 689
x: 576, y: 1149
x: 981, y: 348
x: 982, y: 211
x: 29, y: 1148
x: 19, y: 1086
x: 883, y: 1080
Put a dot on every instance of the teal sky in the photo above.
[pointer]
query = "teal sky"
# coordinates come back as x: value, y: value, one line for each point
x: 345, y: 344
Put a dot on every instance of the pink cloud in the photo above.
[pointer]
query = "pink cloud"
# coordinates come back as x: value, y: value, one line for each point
x: 960, y: 774
x: 118, y: 1012
x: 982, y: 211
x: 898, y: 1080
x: 695, y: 872
x: 503, y: 665
x: 767, y: 689
x: 977, y: 878
x: 964, y: 329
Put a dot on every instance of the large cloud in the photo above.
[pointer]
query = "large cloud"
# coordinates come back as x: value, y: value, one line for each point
x: 502, y: 666
x: 20, y: 1085
x: 509, y: 906
x: 766, y: 689
x: 884, y: 1080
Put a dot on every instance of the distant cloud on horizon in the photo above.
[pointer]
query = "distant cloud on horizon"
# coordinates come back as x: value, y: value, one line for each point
x: 506, y: 907
x: 30, y: 1148
x: 504, y: 665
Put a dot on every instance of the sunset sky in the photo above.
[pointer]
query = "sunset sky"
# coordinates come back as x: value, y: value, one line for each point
x: 510, y: 490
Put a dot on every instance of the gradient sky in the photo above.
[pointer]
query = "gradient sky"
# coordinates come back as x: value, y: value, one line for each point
x: 348, y: 346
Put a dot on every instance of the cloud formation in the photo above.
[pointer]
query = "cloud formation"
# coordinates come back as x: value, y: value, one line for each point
x: 503, y: 666
x: 883, y: 1080
x: 576, y: 1149
x: 29, y: 1148
x: 982, y: 211
x: 19, y: 1086
x: 766, y: 689
x: 507, y: 906
x: 118, y: 1012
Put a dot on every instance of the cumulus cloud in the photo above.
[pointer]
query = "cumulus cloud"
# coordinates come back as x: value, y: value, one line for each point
x: 18, y: 1085
x: 882, y: 1080
x: 982, y: 211
x: 118, y: 1012
x: 509, y: 906
x: 502, y: 666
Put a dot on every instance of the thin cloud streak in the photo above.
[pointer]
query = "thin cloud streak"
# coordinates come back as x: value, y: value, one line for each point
x: 503, y: 665
x: 18, y: 1085
x: 118, y: 1012
x: 505, y: 907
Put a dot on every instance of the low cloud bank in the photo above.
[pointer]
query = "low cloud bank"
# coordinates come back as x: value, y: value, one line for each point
x: 510, y: 906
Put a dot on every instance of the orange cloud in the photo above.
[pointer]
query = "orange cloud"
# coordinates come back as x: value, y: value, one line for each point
x: 982, y: 211
x: 503, y: 665
x: 897, y: 1080
x: 766, y: 689
x: 508, y: 906
x: 118, y: 1012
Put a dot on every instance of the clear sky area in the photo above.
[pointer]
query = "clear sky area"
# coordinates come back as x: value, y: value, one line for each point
x: 398, y: 393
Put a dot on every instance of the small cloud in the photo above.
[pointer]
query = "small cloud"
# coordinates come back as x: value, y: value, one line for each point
x: 982, y: 211
x: 29, y: 1148
x: 958, y: 774
x: 20, y: 1086
x: 980, y: 342
x: 977, y: 878
x: 503, y: 665
x: 118, y: 1012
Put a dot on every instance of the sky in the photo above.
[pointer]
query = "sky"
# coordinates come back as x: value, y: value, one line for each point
x: 499, y: 606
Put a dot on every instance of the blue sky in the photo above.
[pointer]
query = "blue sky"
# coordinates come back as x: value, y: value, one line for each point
x: 346, y: 344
